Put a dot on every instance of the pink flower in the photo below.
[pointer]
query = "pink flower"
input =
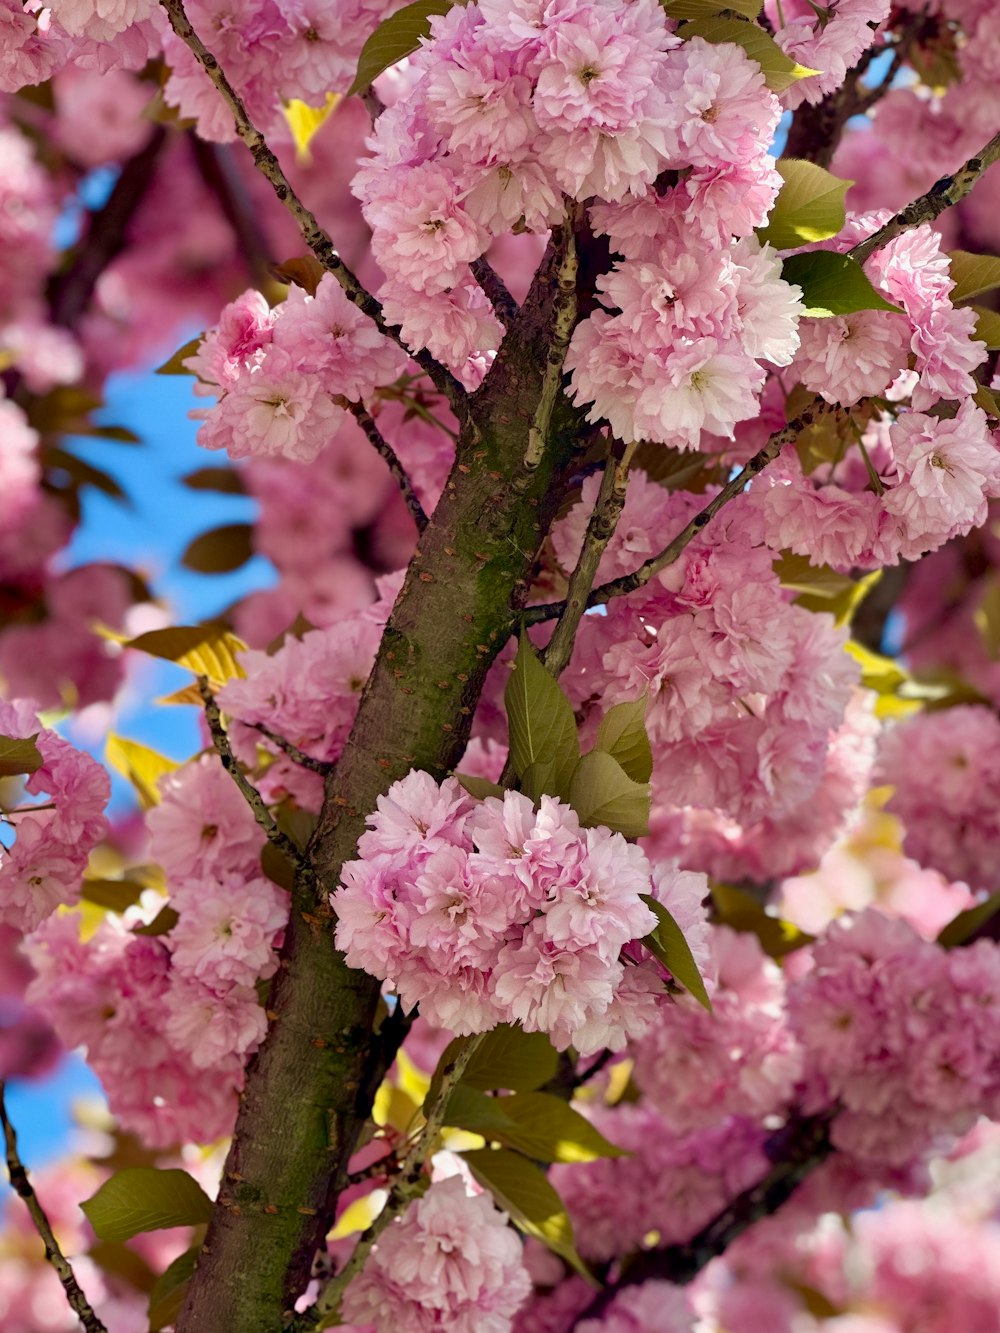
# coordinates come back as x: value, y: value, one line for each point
x: 720, y: 108
x: 852, y: 356
x: 227, y: 930
x: 203, y: 824
x: 422, y: 235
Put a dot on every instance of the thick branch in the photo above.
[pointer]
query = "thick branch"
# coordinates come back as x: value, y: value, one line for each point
x: 375, y: 437
x: 312, y: 233
x: 78, y: 1302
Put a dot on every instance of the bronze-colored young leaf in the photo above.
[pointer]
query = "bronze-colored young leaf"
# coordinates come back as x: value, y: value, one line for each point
x: 220, y: 550
x: 19, y: 756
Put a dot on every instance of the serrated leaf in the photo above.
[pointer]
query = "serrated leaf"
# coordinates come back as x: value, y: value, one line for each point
x: 601, y: 792
x: 987, y: 327
x: 973, y: 274
x: 622, y: 735
x: 962, y: 927
x: 809, y: 207
x: 167, y: 1297
x: 115, y: 895
x: 175, y: 366
x: 698, y: 9
x: 304, y: 121
x: 508, y: 1058
x: 543, y: 1127
x: 738, y: 910
x: 394, y: 39
x: 19, y: 756
x: 480, y: 788
x: 779, y: 71
x: 145, y: 1198
x: 224, y: 480
x: 220, y: 550
x: 539, y: 716
x: 832, y: 284
x: 206, y: 650
x: 667, y: 943
x: 522, y: 1190
x: 140, y: 764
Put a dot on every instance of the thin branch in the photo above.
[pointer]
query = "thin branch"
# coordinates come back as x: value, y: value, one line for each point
x: 312, y: 233
x: 217, y: 169
x: 375, y: 437
x: 404, y: 1190
x: 250, y: 793
x: 945, y: 193
x: 321, y: 766
x: 504, y: 306
x: 78, y: 1302
x: 620, y: 587
x: 601, y: 528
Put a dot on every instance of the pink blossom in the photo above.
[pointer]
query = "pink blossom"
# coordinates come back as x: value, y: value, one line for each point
x: 720, y: 107
x: 852, y: 356
x: 422, y: 235
x: 653, y: 1307
x: 203, y: 824
x: 227, y: 930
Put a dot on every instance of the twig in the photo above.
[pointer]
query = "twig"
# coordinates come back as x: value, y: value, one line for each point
x: 504, y: 306
x: 620, y: 587
x: 945, y: 193
x: 563, y: 318
x: 78, y: 1302
x: 312, y: 233
x: 404, y: 1189
x: 216, y: 166
x: 601, y: 528
x: 321, y: 766
x: 375, y: 437
x: 250, y: 793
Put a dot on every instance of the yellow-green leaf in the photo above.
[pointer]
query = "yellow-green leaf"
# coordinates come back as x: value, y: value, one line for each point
x: 601, y: 792
x: 19, y: 756
x: 780, y: 72
x: 507, y: 1057
x: 543, y: 1127
x: 973, y: 274
x: 821, y: 588
x: 622, y: 735
x: 394, y: 39
x: 304, y: 121
x: 220, y: 550
x: 175, y: 365
x: 738, y: 910
x: 141, y: 765
x: 878, y: 673
x: 667, y: 943
x: 987, y: 327
x: 143, y: 1198
x: 115, y: 895
x: 540, y: 717
x: 523, y: 1190
x: 962, y: 927
x: 832, y: 284
x: 167, y: 1297
x: 810, y: 206
x: 207, y: 650
x: 478, y: 787
x: 698, y: 9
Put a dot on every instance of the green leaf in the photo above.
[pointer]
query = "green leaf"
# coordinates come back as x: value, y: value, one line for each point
x: 175, y: 365
x: 480, y: 788
x: 973, y: 274
x: 114, y: 895
x: 395, y: 39
x: 810, y: 206
x: 988, y: 401
x: 821, y: 588
x: 142, y: 766
x: 167, y: 1296
x: 543, y: 1127
x: 832, y: 284
x: 143, y: 1198
x: 19, y: 756
x: 207, y: 650
x: 601, y: 792
x: 987, y: 617
x: 224, y: 480
x: 697, y: 9
x: 622, y: 735
x: 220, y: 550
x: 987, y: 327
x: 540, y: 717
x: 161, y: 924
x: 508, y: 1057
x: 779, y: 71
x: 962, y: 927
x: 522, y: 1190
x: 736, y: 909
x: 667, y: 943
x: 676, y: 469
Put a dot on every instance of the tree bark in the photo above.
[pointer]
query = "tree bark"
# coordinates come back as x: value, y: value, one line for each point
x: 309, y: 1088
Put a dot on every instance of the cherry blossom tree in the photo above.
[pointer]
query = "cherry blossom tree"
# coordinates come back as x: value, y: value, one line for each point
x: 581, y: 909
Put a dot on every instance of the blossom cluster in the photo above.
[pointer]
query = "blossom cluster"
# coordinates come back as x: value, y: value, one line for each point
x: 156, y: 1011
x: 43, y: 869
x: 278, y: 373
x: 494, y: 912
x: 449, y: 1262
